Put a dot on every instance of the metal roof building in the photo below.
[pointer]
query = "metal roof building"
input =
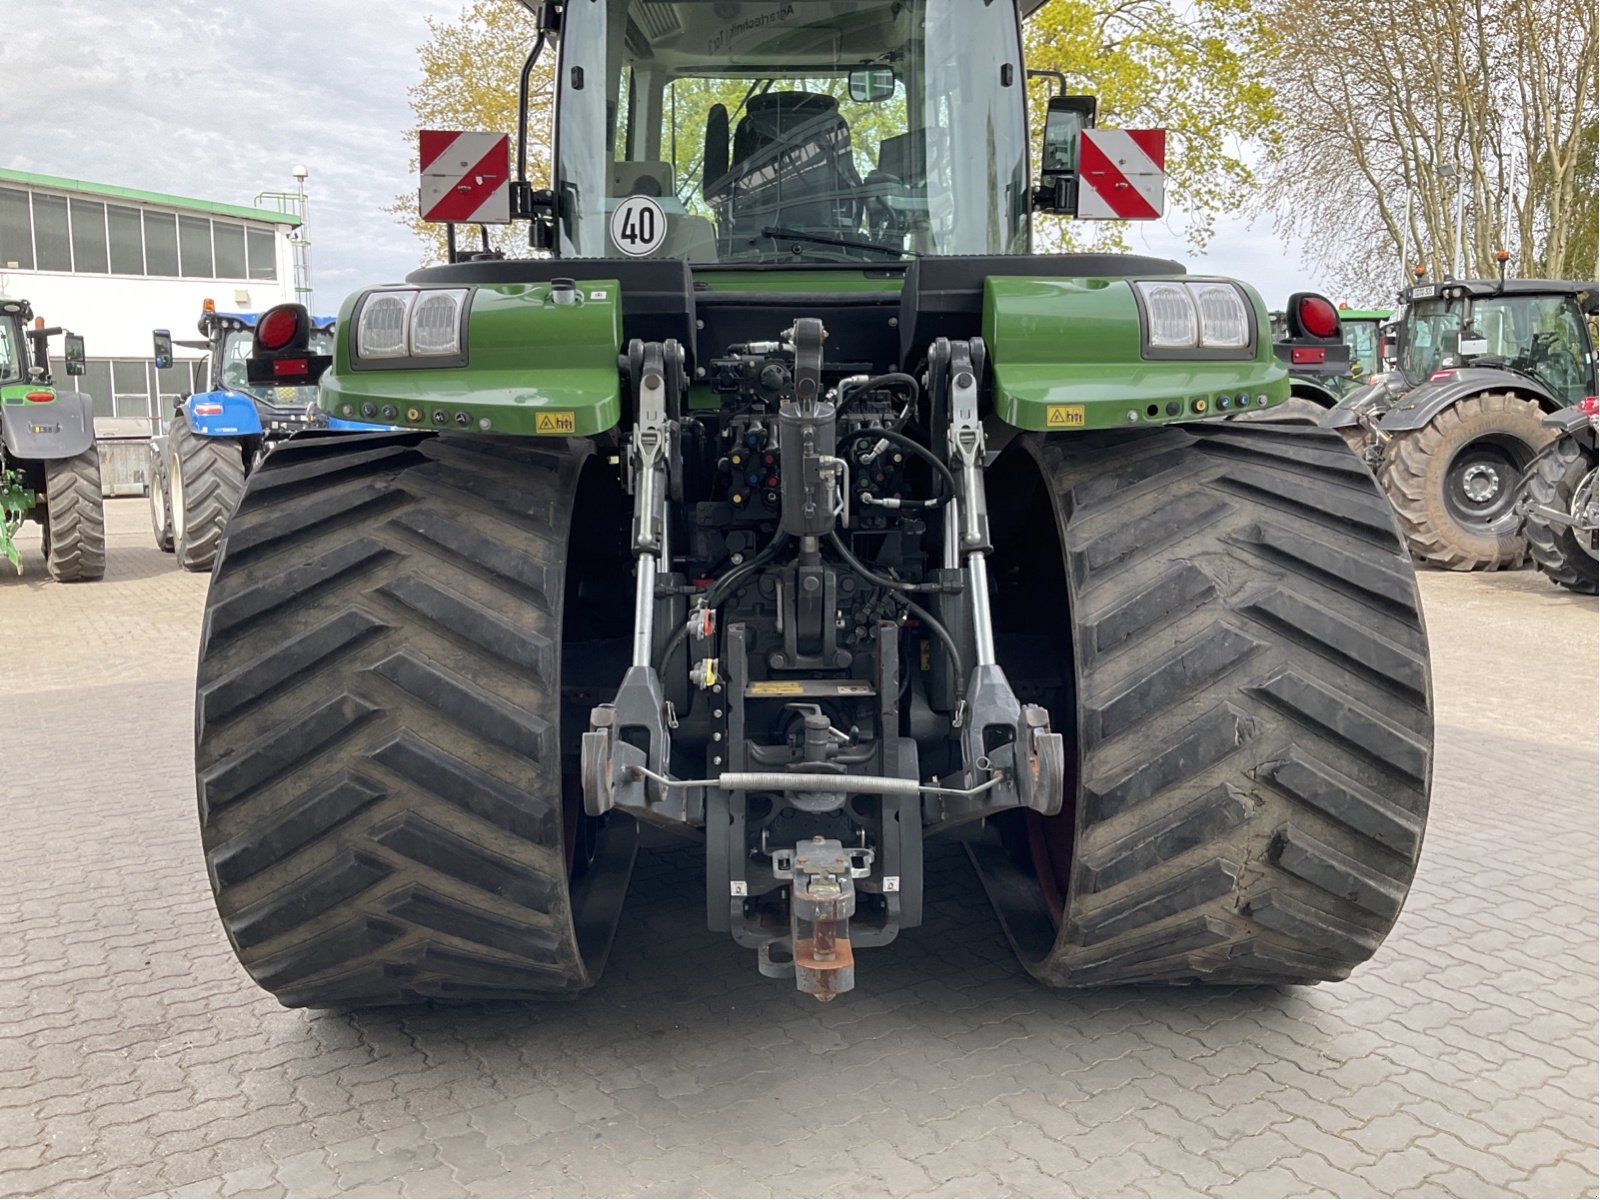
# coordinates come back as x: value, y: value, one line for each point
x: 113, y: 263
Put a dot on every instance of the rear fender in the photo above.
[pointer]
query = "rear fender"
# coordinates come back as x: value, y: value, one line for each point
x: 1313, y: 390
x: 237, y: 416
x: 59, y: 428
x: 1573, y: 421
x: 1421, y: 405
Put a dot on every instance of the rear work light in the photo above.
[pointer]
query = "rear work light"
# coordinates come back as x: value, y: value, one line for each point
x: 39, y: 397
x: 277, y: 329
x: 1195, y: 314
x: 1318, y: 317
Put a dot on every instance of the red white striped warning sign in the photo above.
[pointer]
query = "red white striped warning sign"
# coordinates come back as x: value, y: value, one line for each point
x: 466, y: 177
x: 1122, y: 174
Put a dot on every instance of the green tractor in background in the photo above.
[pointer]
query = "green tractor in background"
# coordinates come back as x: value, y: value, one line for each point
x: 795, y: 508
x: 49, y: 464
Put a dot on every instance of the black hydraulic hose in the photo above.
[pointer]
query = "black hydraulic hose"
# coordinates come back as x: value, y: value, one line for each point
x: 717, y: 592
x: 939, y: 631
x: 915, y: 447
x: 892, y: 379
x: 883, y: 581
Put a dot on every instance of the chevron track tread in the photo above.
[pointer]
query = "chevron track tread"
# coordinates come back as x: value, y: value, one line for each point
x: 1252, y: 709
x: 377, y: 753
x: 76, y: 549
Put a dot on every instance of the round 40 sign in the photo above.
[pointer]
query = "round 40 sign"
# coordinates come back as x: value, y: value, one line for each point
x: 638, y: 226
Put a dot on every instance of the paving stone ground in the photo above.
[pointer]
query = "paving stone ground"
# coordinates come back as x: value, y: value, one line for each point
x: 136, y: 1057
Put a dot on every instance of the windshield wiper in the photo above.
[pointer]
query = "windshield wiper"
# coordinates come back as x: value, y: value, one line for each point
x: 822, y: 239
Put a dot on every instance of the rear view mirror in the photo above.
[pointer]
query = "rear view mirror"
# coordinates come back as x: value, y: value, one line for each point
x: 1064, y: 123
x: 871, y: 85
x: 163, y: 340
x: 72, y: 351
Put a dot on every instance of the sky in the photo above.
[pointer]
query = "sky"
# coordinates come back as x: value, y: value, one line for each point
x: 219, y: 100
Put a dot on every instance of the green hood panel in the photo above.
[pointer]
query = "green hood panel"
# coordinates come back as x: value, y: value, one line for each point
x: 533, y: 367
x: 1067, y: 354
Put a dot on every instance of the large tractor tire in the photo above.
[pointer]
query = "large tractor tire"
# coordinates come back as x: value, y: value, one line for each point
x: 161, y: 508
x: 396, y: 667
x: 1562, y: 478
x: 1453, y: 482
x: 75, y: 518
x: 205, y: 478
x: 1236, y: 639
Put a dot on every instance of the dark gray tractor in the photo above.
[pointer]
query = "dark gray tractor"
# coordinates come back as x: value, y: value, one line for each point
x: 49, y: 465
x: 1481, y: 363
x: 1560, y: 504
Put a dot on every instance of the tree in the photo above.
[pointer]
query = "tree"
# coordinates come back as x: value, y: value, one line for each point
x: 1196, y: 70
x: 471, y: 73
x: 1432, y: 131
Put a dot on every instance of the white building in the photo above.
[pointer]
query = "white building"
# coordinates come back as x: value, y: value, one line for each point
x: 114, y: 263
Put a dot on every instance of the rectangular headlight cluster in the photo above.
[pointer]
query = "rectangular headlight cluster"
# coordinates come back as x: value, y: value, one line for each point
x: 408, y: 323
x: 1195, y: 314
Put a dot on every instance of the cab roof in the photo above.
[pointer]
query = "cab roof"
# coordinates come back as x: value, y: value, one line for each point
x: 1586, y: 291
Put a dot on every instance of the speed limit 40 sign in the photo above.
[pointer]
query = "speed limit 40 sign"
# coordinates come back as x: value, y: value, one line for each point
x: 638, y: 226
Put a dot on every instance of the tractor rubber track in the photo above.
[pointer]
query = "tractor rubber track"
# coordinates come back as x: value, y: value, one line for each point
x: 379, y: 755
x: 1253, y: 713
x: 75, y: 511
x: 212, y: 482
x: 1411, y: 474
x: 1551, y: 480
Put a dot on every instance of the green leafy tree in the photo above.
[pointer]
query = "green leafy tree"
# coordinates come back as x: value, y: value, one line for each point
x: 1195, y: 70
x: 471, y: 72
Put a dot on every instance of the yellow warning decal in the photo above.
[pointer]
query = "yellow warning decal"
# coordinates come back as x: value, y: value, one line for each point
x: 775, y: 687
x: 556, y: 422
x: 1064, y: 416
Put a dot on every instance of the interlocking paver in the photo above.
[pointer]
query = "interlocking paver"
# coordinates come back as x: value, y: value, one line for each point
x: 136, y: 1057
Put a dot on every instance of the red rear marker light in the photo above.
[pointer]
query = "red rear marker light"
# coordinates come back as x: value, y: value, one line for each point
x: 290, y: 366
x: 40, y: 397
x: 277, y: 329
x: 1308, y: 354
x: 1318, y: 317
x: 1589, y: 406
x: 208, y: 410
x: 1438, y: 375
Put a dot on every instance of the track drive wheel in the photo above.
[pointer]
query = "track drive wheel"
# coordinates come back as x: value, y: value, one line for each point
x: 1562, y: 477
x: 1242, y: 656
x: 1453, y: 482
x: 205, y: 477
x: 393, y: 664
x: 75, y: 518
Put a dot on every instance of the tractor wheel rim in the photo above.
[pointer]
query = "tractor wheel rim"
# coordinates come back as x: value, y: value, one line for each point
x: 1477, y: 486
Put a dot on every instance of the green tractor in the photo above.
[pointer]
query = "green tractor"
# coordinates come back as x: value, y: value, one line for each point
x: 795, y: 508
x: 49, y: 465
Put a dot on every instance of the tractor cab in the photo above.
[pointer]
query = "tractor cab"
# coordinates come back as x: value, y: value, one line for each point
x: 771, y: 138
x: 1533, y: 328
x: 1362, y: 328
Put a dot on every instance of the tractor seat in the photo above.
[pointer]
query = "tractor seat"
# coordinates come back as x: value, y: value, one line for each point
x: 791, y: 167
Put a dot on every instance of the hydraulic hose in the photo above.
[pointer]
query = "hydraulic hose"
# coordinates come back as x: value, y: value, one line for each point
x: 895, y: 437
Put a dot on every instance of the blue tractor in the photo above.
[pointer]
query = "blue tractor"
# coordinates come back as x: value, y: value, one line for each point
x: 217, y: 436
